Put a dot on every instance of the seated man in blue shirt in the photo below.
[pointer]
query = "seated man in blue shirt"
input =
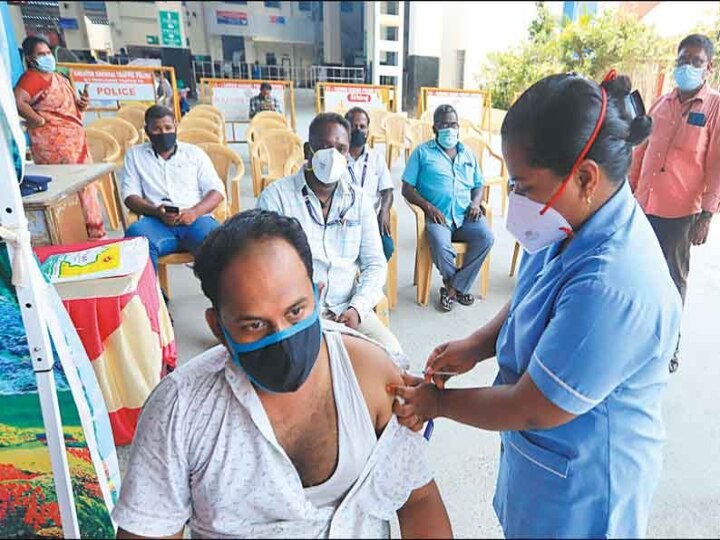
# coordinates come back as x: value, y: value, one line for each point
x: 443, y: 178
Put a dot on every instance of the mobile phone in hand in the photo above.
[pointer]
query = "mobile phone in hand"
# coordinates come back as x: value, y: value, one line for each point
x: 171, y: 209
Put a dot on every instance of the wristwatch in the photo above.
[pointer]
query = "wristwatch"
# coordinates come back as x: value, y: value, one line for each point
x: 705, y: 214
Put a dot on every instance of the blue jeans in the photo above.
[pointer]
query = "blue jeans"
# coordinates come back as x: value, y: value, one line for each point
x: 165, y: 239
x: 476, y: 234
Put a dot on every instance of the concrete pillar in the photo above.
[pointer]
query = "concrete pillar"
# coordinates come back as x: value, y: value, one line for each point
x: 379, y: 44
x: 250, y: 54
x: 80, y: 38
x: 195, y: 27
x: 332, y: 48
x: 113, y: 14
x: 425, y: 44
x: 17, y: 22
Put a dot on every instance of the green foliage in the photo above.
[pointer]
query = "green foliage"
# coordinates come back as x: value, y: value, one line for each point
x: 712, y: 30
x: 590, y: 46
x: 593, y: 45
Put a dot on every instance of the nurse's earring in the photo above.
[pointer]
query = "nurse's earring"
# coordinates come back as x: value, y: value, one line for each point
x: 588, y: 200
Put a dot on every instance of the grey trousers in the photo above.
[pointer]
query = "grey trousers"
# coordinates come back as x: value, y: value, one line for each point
x: 476, y: 234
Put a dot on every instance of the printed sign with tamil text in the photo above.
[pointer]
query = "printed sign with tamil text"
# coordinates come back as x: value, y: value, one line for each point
x: 109, y: 86
x: 345, y: 97
x: 469, y: 105
x: 233, y: 98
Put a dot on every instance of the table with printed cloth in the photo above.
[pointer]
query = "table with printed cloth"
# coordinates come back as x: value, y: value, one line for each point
x: 121, y: 319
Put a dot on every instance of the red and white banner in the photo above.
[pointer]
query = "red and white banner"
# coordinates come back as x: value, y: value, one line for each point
x: 106, y: 86
x: 233, y: 97
x: 341, y: 97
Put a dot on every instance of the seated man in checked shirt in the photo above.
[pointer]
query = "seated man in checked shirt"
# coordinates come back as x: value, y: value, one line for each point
x: 264, y: 101
x: 341, y: 226
x: 285, y: 430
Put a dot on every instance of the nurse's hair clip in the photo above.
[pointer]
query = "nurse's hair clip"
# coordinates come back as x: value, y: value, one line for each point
x: 634, y: 105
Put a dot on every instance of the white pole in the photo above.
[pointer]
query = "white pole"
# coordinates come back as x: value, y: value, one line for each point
x: 30, y: 288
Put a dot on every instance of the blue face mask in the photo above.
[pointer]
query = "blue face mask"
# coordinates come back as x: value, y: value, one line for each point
x: 46, y: 63
x: 448, y: 137
x: 688, y: 78
x: 280, y: 362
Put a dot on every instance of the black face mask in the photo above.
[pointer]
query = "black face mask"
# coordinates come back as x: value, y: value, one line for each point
x: 280, y: 362
x: 357, y: 138
x: 162, y: 142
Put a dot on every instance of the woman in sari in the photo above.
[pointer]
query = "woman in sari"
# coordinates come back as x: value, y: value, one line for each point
x: 53, y: 112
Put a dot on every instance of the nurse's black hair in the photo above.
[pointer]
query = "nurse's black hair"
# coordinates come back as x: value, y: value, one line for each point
x: 555, y: 117
x: 232, y: 237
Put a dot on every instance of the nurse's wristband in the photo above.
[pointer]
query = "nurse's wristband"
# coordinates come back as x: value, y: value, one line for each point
x: 706, y: 215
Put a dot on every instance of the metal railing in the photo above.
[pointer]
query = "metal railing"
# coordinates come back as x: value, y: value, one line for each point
x: 302, y: 76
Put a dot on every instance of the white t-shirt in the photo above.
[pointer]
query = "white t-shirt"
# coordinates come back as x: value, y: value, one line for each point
x: 184, y: 179
x: 371, y: 164
x: 205, y: 452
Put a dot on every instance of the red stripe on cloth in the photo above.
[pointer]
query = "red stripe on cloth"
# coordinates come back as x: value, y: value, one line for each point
x: 169, y: 355
x: 43, y: 252
x: 123, y: 423
x: 95, y: 319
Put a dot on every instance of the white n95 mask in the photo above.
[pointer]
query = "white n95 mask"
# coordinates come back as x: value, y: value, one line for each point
x: 533, y: 228
x: 536, y: 225
x: 329, y: 165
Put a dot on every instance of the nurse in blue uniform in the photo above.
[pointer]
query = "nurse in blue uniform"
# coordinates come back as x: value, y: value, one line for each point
x: 584, y: 344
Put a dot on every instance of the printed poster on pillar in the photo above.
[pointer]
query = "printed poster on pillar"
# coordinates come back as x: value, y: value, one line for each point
x: 341, y: 97
x: 108, y: 87
x: 469, y: 105
x: 232, y: 97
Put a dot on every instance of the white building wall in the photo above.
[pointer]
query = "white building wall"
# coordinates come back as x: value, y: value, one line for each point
x: 425, y: 34
x: 132, y: 22
x: 477, y: 28
x: 332, y: 53
x: 297, y: 26
x: 17, y: 22
x: 195, y: 28
x: 378, y: 45
x: 75, y: 39
x: 677, y: 19
x: 100, y: 37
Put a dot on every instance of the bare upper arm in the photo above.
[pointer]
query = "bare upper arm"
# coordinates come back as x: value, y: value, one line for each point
x: 374, y: 371
x: 21, y: 95
x: 123, y: 534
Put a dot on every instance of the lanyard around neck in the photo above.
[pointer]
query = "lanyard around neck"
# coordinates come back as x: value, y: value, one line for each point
x: 352, y: 171
x: 341, y: 217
